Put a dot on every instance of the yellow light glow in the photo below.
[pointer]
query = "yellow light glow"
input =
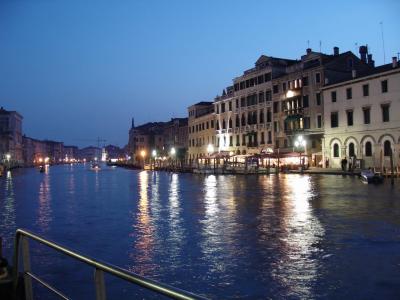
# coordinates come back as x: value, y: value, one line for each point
x: 289, y: 94
x: 143, y: 153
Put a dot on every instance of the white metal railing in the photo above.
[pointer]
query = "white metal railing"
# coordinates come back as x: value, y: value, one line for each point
x: 22, y: 239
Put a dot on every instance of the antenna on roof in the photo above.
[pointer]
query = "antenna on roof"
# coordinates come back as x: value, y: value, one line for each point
x: 308, y: 43
x: 320, y: 45
x: 383, y: 43
x: 356, y: 47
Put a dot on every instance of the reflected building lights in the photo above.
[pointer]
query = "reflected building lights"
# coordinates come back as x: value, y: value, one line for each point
x: 7, y: 213
x: 176, y: 230
x: 44, y: 210
x: 143, y: 229
x: 297, y: 269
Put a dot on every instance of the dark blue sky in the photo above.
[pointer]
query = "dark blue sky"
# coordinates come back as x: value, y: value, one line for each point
x: 77, y: 70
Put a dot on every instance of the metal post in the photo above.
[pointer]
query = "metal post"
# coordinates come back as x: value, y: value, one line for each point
x: 99, y: 283
x: 392, y: 167
x: 26, y: 265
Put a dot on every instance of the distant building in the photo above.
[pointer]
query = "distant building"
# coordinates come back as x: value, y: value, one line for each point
x: 90, y: 153
x: 70, y: 153
x: 201, y: 130
x: 146, y: 138
x: 55, y: 151
x: 176, y: 134
x: 34, y: 151
x: 114, y: 152
x: 362, y: 118
x: 11, y: 136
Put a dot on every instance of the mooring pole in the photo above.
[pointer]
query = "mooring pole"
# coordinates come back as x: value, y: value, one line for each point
x: 392, y: 168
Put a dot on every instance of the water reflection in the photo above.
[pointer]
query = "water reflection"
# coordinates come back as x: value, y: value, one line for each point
x: 211, y: 243
x: 144, y: 241
x: 176, y: 230
x: 45, y: 215
x: 297, y: 268
x: 7, y: 210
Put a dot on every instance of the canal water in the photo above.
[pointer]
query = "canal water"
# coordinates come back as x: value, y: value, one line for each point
x: 248, y: 237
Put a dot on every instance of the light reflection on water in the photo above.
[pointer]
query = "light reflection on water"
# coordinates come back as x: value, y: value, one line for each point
x: 253, y: 237
x: 7, y: 212
x: 44, y: 213
x: 143, y: 230
x: 297, y: 268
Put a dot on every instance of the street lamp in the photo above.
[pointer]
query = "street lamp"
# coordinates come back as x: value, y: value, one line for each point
x: 154, y: 155
x: 8, y: 157
x: 210, y: 150
x: 173, y: 152
x: 300, y: 143
x: 143, y: 154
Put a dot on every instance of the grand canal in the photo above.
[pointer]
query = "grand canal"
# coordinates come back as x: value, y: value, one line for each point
x: 248, y: 237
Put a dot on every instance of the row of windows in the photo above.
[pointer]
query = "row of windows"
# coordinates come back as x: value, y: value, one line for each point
x: 249, y: 100
x: 201, y: 126
x: 242, y: 121
x: 246, y: 140
x: 291, y: 84
x: 387, y: 149
x: 201, y: 141
x: 252, y: 81
x: 366, y: 116
x: 365, y: 91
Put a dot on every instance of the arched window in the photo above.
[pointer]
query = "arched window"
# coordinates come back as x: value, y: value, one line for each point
x: 243, y: 120
x: 261, y: 116
x: 230, y: 123
x: 217, y: 125
x: 335, y: 150
x: 387, y: 148
x: 368, y: 149
x: 351, y: 149
x: 254, y: 117
x: 237, y: 123
x: 223, y: 124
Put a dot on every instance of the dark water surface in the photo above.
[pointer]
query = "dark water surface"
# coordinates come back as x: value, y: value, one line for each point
x: 248, y: 237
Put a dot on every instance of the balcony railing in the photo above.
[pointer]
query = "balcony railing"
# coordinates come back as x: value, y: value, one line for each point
x: 22, y: 238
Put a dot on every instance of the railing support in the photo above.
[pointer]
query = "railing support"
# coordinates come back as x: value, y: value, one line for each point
x: 21, y: 239
x: 26, y: 265
x: 100, y: 285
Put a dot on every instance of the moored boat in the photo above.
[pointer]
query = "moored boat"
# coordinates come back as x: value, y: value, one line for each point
x: 368, y: 176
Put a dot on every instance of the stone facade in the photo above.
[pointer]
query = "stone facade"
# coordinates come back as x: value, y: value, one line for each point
x: 362, y: 118
x: 11, y: 136
x: 201, y: 129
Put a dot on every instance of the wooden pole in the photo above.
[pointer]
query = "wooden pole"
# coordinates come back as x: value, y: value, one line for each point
x: 392, y: 167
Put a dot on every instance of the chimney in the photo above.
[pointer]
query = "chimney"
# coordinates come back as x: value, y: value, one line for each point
x: 371, y: 62
x: 353, y: 73
x: 363, y: 53
x: 394, y: 62
x: 308, y: 50
x: 336, y: 51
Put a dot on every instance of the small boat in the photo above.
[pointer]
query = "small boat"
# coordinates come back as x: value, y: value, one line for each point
x: 42, y: 169
x: 95, y: 166
x: 368, y: 176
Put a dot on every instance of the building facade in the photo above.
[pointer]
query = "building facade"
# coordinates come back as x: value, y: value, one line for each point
x: 272, y: 104
x: 201, y: 123
x: 11, y: 137
x: 362, y: 118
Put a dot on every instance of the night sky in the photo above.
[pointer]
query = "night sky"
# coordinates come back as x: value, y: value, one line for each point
x: 78, y: 70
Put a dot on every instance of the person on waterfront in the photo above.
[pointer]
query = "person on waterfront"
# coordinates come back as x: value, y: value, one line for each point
x: 344, y: 164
